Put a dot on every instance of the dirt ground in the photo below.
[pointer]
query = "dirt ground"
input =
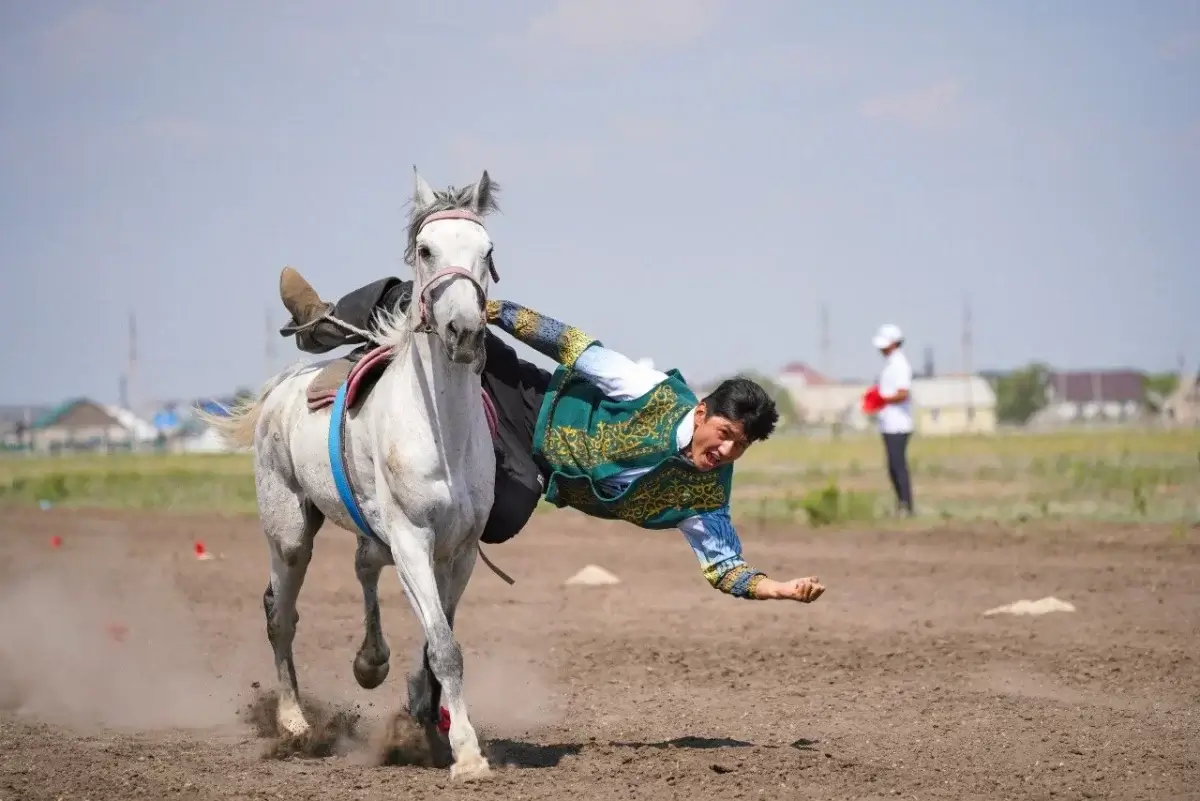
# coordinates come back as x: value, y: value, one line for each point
x: 128, y: 668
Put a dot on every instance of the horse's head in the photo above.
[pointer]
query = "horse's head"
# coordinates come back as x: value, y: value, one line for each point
x: 450, y: 253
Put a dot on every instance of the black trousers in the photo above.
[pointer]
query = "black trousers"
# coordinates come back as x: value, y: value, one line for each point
x: 518, y: 389
x: 896, y: 446
x: 516, y: 386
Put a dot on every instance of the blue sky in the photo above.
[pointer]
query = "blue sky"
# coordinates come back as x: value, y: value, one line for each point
x: 686, y: 179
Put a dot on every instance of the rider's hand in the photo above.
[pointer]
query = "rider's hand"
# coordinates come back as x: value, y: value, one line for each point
x: 805, y: 590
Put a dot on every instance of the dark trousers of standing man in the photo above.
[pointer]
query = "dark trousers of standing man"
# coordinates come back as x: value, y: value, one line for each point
x: 896, y: 446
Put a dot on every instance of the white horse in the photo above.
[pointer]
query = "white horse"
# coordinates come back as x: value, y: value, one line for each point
x: 419, y: 455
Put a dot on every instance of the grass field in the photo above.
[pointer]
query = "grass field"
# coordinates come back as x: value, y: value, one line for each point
x: 1113, y: 475
x: 1126, y: 475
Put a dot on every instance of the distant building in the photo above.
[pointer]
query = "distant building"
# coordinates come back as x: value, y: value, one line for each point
x: 15, y: 422
x: 1093, y: 396
x: 800, y: 374
x: 941, y: 406
x: 954, y: 405
x: 818, y: 400
x: 77, y: 424
x: 82, y: 424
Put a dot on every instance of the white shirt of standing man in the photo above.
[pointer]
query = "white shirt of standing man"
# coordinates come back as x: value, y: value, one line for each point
x: 895, y: 382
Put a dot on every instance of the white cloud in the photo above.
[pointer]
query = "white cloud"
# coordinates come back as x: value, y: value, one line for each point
x: 609, y: 25
x: 935, y: 107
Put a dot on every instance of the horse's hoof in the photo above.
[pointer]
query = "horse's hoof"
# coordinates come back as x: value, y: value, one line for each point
x: 471, y: 769
x: 292, y: 721
x: 370, y: 676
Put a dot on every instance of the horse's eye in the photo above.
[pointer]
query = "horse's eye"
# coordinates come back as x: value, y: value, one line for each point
x: 424, y: 252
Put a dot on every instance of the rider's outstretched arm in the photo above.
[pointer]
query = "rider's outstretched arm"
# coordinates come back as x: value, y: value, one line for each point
x: 618, y: 376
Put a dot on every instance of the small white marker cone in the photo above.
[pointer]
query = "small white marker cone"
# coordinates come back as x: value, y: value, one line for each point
x: 593, y: 576
x: 1026, y: 607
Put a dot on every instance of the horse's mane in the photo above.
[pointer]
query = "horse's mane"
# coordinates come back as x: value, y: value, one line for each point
x: 449, y: 199
x: 389, y: 327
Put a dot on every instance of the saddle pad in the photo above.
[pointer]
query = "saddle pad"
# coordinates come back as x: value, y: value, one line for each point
x: 360, y: 372
x: 332, y: 376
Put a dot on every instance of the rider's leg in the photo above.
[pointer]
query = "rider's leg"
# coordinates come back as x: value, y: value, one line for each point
x: 357, y: 307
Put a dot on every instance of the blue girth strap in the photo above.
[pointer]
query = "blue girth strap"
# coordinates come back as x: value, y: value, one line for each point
x: 337, y: 461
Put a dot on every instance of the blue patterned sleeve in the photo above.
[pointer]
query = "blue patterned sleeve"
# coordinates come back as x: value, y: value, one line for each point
x: 549, y: 337
x: 617, y: 376
x: 715, y: 542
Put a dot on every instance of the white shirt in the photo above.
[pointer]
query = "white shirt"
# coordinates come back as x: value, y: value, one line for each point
x: 711, y: 535
x: 896, y: 418
x: 622, y: 379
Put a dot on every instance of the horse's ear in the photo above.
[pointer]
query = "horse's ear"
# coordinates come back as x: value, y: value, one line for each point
x: 422, y: 192
x: 483, y: 197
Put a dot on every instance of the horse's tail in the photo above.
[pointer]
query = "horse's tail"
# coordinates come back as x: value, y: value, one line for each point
x: 237, y: 425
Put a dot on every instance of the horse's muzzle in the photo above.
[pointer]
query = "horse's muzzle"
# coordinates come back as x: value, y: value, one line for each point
x: 464, y: 346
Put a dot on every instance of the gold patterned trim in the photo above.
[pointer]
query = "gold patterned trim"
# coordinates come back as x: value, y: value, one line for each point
x: 647, y: 431
x: 667, y: 488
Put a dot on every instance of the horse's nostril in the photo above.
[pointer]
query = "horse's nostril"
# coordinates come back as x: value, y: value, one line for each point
x: 452, y: 329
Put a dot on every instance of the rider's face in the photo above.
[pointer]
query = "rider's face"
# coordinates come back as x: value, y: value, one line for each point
x: 716, y: 440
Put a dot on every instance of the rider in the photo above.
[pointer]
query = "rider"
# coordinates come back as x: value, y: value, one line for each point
x: 603, y: 434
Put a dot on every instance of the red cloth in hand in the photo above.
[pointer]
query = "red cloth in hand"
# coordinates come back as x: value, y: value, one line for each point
x: 872, y: 401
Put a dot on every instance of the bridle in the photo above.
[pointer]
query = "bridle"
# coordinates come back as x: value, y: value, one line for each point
x: 424, y: 321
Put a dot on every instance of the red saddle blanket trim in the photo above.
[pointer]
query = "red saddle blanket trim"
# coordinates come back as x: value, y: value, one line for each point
x: 369, y: 367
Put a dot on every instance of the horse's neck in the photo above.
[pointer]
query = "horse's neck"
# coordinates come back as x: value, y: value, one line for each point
x: 444, y: 392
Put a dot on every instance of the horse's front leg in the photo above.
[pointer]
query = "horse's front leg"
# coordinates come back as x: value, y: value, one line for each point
x: 412, y: 551
x: 425, y: 702
x: 371, y: 663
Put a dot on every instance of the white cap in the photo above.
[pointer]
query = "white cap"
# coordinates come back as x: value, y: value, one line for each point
x: 886, y: 336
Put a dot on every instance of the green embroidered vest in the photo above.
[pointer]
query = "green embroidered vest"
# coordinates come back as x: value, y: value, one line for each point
x: 586, y: 437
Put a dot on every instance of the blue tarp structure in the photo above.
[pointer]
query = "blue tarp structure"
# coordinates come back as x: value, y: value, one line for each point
x: 166, y: 420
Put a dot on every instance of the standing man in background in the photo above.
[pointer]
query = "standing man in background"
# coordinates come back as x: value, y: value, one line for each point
x: 895, y: 418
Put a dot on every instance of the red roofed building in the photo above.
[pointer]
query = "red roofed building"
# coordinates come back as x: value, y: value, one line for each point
x: 799, y: 372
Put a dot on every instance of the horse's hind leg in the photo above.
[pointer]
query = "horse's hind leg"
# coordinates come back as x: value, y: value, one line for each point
x: 291, y: 524
x: 371, y: 664
x: 414, y: 563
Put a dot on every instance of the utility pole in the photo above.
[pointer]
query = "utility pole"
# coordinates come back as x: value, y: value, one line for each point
x: 967, y: 344
x: 268, y: 344
x: 131, y: 367
x: 131, y: 379
x: 826, y: 344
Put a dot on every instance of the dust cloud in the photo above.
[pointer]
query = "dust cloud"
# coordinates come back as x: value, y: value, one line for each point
x: 509, y: 693
x: 87, y: 642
